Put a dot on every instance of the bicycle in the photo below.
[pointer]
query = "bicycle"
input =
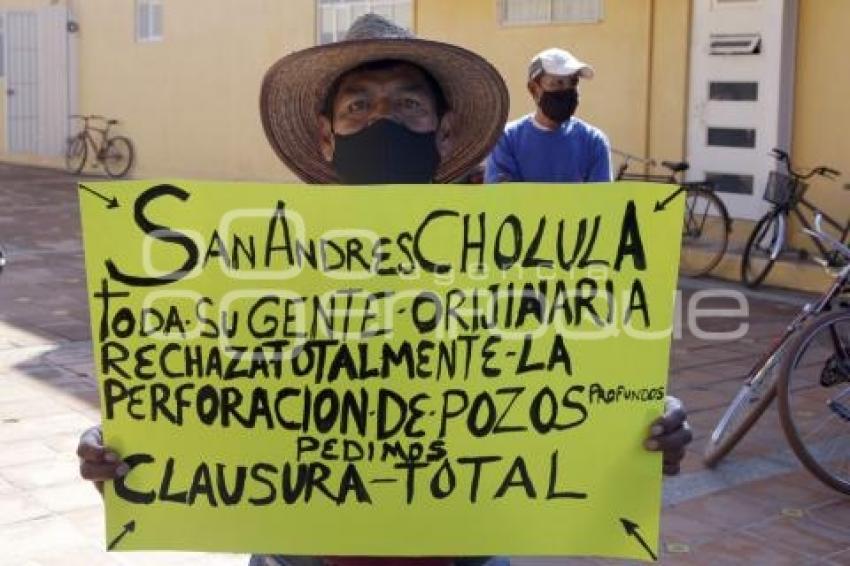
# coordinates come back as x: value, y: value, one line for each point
x: 706, y: 227
x: 815, y: 380
x: 767, y: 240
x: 115, y: 152
x: 760, y: 386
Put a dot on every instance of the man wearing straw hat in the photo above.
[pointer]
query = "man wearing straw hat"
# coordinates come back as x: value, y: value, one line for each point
x: 383, y: 107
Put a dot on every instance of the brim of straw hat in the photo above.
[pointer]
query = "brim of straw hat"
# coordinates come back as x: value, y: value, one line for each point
x: 295, y: 87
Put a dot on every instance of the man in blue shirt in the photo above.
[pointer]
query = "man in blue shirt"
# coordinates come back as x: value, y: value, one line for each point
x: 552, y: 145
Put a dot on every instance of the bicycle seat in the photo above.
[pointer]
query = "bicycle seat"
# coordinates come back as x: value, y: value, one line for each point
x: 676, y: 166
x: 112, y: 122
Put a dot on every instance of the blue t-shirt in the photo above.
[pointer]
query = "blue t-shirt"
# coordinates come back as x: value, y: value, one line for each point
x: 575, y: 152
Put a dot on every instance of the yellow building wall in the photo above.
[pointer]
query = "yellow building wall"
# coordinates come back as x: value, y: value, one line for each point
x: 822, y: 101
x: 639, y: 52
x: 190, y: 102
x: 615, y: 100
x: 669, y: 78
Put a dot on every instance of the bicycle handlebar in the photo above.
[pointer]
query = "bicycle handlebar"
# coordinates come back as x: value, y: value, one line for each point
x: 828, y: 239
x: 822, y: 170
x: 88, y: 117
x: 778, y: 154
x: 830, y: 174
x: 629, y: 157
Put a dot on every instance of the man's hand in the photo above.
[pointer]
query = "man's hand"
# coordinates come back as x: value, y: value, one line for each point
x: 670, y: 434
x: 97, y: 463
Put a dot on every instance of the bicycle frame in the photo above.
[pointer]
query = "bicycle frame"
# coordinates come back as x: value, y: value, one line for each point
x: 86, y: 132
x: 622, y: 174
x: 823, y: 303
x: 667, y: 178
x: 89, y: 139
x: 844, y: 230
x: 693, y: 227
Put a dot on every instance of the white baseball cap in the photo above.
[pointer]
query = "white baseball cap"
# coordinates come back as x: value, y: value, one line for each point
x: 558, y: 62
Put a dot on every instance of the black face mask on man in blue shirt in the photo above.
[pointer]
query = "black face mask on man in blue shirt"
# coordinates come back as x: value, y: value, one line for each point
x: 386, y: 152
x: 559, y: 105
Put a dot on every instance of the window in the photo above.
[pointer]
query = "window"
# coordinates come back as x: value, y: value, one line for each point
x: 731, y: 182
x: 148, y: 20
x: 334, y: 17
x: 733, y: 91
x: 725, y: 3
x: 525, y: 12
x: 731, y: 137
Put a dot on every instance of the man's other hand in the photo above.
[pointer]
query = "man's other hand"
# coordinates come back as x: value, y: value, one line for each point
x: 670, y: 434
x: 98, y: 463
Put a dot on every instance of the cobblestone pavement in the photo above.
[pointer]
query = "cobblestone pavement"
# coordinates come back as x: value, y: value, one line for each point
x: 759, y: 507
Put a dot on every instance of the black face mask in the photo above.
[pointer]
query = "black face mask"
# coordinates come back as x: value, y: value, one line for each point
x: 386, y: 152
x: 559, y: 105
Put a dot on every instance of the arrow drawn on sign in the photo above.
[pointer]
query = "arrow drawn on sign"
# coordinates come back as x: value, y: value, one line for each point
x: 112, y: 202
x: 663, y: 204
x: 632, y: 530
x: 128, y: 528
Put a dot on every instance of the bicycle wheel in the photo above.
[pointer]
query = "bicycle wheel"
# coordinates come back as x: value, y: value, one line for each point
x: 75, y: 154
x: 763, y: 247
x: 814, y: 399
x: 705, y: 234
x: 749, y: 404
x: 118, y: 156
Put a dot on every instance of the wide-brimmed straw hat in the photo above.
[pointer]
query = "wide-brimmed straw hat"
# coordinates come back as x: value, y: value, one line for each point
x: 295, y: 89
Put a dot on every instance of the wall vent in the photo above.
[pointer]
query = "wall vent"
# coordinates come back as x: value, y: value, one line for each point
x: 735, y: 44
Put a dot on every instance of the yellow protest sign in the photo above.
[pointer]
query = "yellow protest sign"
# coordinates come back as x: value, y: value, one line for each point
x: 412, y: 370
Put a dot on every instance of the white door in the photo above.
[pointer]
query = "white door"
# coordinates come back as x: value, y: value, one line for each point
x: 38, y: 83
x: 22, y: 82
x: 741, y: 95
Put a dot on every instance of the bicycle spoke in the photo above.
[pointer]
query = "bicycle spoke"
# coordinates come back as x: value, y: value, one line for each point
x: 828, y: 420
x: 704, y: 213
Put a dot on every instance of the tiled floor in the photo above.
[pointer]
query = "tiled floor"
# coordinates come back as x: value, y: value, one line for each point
x: 759, y: 507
